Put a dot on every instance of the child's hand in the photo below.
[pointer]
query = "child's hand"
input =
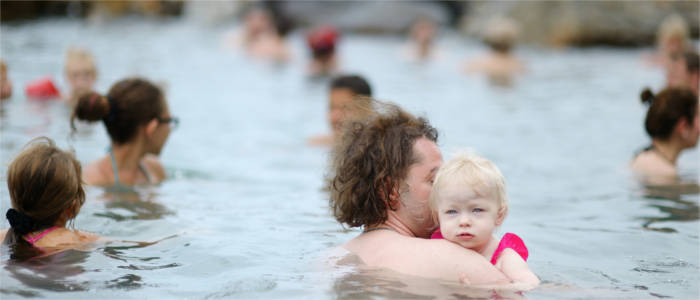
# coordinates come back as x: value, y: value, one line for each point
x: 515, y: 268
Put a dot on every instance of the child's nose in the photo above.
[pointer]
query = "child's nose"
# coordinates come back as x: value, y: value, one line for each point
x: 465, y: 221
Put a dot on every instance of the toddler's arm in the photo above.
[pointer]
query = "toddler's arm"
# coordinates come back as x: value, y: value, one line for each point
x: 515, y: 268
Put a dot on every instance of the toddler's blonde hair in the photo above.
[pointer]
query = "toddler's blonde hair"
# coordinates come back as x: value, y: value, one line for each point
x: 673, y: 26
x: 79, y: 55
x: 475, y: 171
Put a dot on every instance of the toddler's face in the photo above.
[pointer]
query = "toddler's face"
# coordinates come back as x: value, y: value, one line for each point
x: 81, y: 77
x: 466, y: 218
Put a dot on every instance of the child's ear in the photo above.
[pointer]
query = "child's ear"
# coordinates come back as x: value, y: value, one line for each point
x: 502, y: 212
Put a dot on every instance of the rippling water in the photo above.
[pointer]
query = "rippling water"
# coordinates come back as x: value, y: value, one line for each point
x: 243, y: 215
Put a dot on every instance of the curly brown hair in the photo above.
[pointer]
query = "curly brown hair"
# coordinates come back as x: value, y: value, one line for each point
x: 370, y: 161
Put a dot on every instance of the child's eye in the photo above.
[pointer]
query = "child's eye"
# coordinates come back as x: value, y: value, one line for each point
x: 478, y: 210
x: 451, y: 212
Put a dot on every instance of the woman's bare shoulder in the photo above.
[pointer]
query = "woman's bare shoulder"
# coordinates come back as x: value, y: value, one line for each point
x: 646, y: 163
x: 94, y: 173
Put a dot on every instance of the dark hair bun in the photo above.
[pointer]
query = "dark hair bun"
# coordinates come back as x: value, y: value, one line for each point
x: 91, y: 107
x: 647, y: 96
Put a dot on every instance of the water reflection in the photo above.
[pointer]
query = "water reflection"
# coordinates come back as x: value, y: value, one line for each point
x: 132, y: 204
x: 56, y: 271
x: 677, y: 202
x: 50, y: 272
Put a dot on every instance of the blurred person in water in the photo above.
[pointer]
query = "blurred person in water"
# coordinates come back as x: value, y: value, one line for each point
x: 46, y: 193
x: 344, y: 104
x: 469, y: 201
x: 671, y: 40
x: 380, y: 180
x: 322, y: 42
x: 260, y: 37
x: 672, y: 123
x: 421, y: 42
x: 80, y: 73
x: 683, y: 71
x: 500, y: 66
x: 5, y: 83
x: 138, y: 121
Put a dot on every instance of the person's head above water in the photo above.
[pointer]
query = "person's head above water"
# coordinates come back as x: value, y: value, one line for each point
x: 384, y: 165
x: 5, y: 83
x: 469, y: 197
x: 683, y: 71
x: 672, y: 114
x: 322, y: 41
x: 45, y: 188
x: 423, y: 30
x: 672, y: 35
x: 343, y: 91
x: 80, y: 71
x: 501, y: 35
x: 258, y: 20
x: 133, y: 107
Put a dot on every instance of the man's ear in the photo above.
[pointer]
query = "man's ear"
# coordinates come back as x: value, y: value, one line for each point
x: 394, y: 194
x: 151, y: 127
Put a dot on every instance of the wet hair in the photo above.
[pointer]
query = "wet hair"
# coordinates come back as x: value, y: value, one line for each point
x: 370, y: 161
x: 473, y: 171
x: 130, y: 103
x: 355, y: 83
x: 666, y: 109
x: 44, y: 183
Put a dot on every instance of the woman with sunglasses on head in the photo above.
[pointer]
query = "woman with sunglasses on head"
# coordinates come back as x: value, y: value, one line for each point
x: 138, y: 122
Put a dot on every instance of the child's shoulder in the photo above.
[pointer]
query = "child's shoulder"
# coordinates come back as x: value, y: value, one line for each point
x: 514, y: 242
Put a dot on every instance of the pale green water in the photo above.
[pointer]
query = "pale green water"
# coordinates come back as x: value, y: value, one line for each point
x: 244, y: 203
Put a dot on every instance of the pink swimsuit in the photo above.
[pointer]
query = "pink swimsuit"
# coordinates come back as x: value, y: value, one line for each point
x: 37, y: 237
x: 509, y: 240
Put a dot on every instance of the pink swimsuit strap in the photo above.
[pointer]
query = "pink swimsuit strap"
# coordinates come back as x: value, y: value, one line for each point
x: 37, y: 237
x: 510, y: 240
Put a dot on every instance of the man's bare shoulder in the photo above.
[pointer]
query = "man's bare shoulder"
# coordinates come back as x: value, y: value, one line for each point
x: 420, y: 257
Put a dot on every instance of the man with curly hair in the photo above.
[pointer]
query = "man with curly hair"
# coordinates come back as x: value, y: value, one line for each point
x: 380, y: 179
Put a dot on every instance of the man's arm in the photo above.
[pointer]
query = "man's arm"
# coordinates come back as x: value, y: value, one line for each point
x: 426, y: 258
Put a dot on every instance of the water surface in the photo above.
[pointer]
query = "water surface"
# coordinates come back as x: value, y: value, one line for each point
x: 244, y: 216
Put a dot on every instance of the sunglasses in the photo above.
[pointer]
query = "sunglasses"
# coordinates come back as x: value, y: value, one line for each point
x: 172, y: 122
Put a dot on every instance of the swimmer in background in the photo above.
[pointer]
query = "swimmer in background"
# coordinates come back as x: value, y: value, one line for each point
x: 5, y: 83
x: 420, y: 46
x: 671, y: 40
x: 673, y: 125
x: 80, y: 73
x: 322, y: 42
x: 138, y: 121
x: 684, y: 72
x: 499, y: 65
x: 46, y: 194
x: 260, y: 37
x: 343, y: 105
x: 469, y: 201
